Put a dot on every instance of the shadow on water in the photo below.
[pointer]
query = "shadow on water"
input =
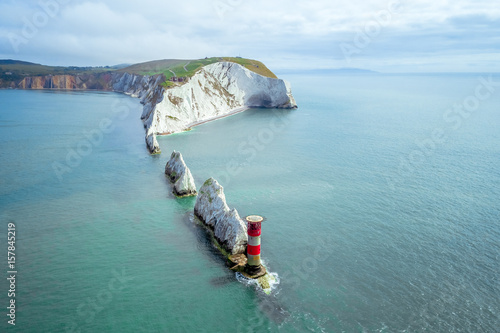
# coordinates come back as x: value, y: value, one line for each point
x: 272, y: 308
x: 222, y: 281
x: 203, y: 238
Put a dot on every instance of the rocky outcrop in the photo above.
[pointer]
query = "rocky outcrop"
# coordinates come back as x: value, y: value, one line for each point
x: 152, y: 144
x: 180, y: 175
x: 214, y: 91
x: 211, y: 208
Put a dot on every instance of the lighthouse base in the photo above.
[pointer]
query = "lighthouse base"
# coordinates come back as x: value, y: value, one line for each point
x: 238, y: 263
x: 254, y: 272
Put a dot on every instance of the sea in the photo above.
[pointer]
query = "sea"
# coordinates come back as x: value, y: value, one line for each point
x: 380, y: 193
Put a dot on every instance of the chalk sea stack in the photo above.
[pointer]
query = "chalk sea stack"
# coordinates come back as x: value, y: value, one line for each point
x: 228, y: 228
x: 180, y: 175
x: 152, y: 144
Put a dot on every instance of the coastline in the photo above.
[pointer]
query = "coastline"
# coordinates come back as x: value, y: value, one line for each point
x: 263, y: 91
x: 191, y: 125
x: 197, y: 123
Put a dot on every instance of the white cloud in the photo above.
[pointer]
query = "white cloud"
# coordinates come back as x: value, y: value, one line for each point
x: 283, y: 33
x: 97, y: 19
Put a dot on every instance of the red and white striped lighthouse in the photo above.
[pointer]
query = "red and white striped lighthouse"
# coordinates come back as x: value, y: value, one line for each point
x: 253, y: 248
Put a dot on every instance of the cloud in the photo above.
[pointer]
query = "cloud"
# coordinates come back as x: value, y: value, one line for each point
x: 281, y: 33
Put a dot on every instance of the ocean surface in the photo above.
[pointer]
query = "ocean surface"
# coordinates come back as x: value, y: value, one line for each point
x: 381, y: 195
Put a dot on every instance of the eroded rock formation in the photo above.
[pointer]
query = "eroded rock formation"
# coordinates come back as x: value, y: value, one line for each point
x: 211, y: 208
x: 180, y: 175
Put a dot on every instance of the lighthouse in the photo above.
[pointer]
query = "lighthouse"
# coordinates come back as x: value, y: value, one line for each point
x: 254, y: 227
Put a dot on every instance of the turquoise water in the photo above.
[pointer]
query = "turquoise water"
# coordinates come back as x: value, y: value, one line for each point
x: 375, y: 223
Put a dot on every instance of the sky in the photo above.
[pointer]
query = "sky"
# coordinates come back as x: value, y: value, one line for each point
x: 382, y: 35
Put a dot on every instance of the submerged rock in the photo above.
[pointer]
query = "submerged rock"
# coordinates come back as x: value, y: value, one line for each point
x: 229, y: 229
x: 180, y: 175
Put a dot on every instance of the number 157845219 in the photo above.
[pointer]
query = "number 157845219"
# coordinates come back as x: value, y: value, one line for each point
x: 11, y: 241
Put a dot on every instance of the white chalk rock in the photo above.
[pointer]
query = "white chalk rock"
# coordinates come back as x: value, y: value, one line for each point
x: 180, y: 175
x: 153, y: 146
x: 214, y: 91
x: 229, y: 229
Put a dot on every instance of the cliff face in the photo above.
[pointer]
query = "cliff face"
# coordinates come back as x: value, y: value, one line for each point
x: 216, y: 90
x: 101, y: 81
x: 211, y: 208
x: 134, y: 85
x: 49, y: 82
x: 149, y: 90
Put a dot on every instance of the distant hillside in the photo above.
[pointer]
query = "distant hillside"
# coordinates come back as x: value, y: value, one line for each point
x: 31, y: 69
x: 16, y: 62
x: 327, y: 71
x: 120, y: 66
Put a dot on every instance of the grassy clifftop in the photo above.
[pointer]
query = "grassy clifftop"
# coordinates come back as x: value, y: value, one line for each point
x: 253, y: 65
x: 187, y: 68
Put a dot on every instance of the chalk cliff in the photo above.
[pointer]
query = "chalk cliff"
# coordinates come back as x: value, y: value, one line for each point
x: 214, y: 91
x: 211, y: 208
x: 180, y: 175
x: 150, y: 92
